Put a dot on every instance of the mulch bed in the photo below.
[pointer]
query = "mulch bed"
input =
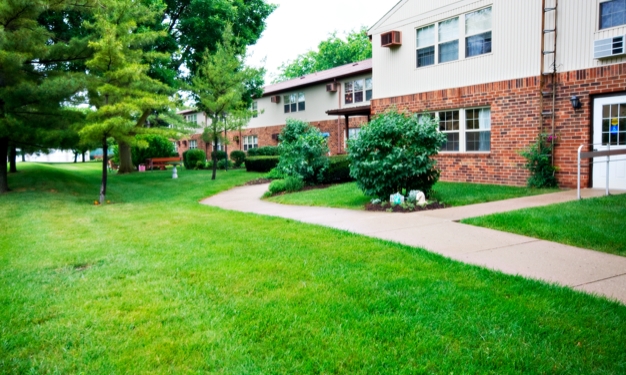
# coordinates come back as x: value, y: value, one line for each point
x: 398, y: 208
x: 258, y: 181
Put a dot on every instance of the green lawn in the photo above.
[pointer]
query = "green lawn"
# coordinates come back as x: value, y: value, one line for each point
x: 591, y: 223
x: 451, y: 193
x: 157, y: 284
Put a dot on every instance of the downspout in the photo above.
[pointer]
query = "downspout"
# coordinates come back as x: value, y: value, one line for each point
x: 339, y: 121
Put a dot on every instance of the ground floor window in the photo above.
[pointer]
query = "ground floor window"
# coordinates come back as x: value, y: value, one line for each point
x: 250, y: 141
x: 193, y: 144
x: 352, y: 134
x: 175, y: 146
x: 466, y: 130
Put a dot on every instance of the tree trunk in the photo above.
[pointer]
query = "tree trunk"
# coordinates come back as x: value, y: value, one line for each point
x: 83, y: 154
x: 126, y: 158
x: 4, y: 150
x: 12, y: 159
x: 105, y: 162
x: 214, y: 157
x: 23, y: 155
x: 226, y: 150
x: 75, y: 157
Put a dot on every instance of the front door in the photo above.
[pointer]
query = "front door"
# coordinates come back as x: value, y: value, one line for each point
x: 610, y: 131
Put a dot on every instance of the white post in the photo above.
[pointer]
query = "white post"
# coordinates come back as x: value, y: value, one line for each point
x: 608, y: 159
x: 579, y: 149
x: 174, y: 173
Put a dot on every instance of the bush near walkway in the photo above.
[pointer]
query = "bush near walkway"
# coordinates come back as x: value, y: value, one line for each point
x: 393, y: 154
x: 303, y: 152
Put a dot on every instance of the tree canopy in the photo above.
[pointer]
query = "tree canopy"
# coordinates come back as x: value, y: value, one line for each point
x: 331, y: 53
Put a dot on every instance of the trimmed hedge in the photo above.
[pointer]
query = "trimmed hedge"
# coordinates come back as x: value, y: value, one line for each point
x: 264, y: 151
x: 192, y: 157
x: 261, y: 163
x: 219, y: 155
x: 238, y: 157
x: 338, y: 170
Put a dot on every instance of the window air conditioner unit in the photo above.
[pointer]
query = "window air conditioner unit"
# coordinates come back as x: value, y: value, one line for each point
x: 276, y: 99
x: 610, y: 47
x: 331, y: 87
x: 391, y: 39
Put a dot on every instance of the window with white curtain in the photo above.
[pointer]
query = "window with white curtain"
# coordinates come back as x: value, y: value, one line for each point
x: 441, y: 42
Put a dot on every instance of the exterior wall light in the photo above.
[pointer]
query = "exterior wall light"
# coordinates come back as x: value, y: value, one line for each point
x: 576, y: 104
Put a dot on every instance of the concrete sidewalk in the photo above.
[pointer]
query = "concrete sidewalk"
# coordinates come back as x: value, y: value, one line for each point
x: 438, y: 231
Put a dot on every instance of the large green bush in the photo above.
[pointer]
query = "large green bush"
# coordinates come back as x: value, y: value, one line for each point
x: 338, y: 170
x: 238, y: 157
x: 264, y: 151
x: 218, y: 155
x: 261, y: 163
x: 192, y: 157
x: 303, y: 152
x: 393, y: 153
x: 539, y: 163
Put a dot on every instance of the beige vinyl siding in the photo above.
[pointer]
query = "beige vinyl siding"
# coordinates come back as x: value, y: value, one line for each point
x: 317, y: 100
x: 516, y: 44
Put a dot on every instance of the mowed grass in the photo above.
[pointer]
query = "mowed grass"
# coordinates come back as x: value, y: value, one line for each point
x: 596, y: 223
x: 348, y: 195
x: 156, y: 283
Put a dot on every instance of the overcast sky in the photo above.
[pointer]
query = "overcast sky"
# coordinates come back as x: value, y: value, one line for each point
x: 297, y: 26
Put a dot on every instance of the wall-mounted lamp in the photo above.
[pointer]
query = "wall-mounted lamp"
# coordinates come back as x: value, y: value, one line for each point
x: 576, y: 104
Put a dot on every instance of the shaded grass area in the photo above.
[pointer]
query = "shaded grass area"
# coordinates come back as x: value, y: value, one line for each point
x: 156, y: 283
x: 451, y: 193
x: 596, y: 223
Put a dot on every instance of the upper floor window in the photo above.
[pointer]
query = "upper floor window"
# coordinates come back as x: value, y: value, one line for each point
x: 358, y: 91
x: 440, y: 42
x: 294, y: 102
x: 192, y: 118
x: 478, y: 32
x: 255, y: 109
x: 612, y: 13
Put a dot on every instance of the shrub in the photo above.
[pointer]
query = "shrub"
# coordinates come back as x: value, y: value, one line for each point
x: 238, y: 157
x: 338, y: 169
x: 218, y: 155
x: 539, y: 163
x: 147, y: 146
x: 200, y: 164
x: 221, y: 164
x: 303, y: 152
x: 393, y: 154
x: 290, y: 184
x: 261, y: 163
x: 275, y: 174
x: 264, y: 151
x: 192, y: 157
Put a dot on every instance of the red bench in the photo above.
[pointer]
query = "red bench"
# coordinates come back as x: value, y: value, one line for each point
x: 160, y: 163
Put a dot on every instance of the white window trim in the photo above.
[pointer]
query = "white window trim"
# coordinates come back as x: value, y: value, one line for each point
x: 193, y: 144
x: 463, y: 130
x: 599, y: 18
x: 364, y: 91
x: 250, y: 141
x: 298, y: 101
x: 461, y: 40
x: 353, y: 133
x: 255, y: 109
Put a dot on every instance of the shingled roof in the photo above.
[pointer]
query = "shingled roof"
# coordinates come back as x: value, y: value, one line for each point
x: 329, y: 75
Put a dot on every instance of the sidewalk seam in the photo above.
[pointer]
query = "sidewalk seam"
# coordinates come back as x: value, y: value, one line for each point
x: 600, y: 280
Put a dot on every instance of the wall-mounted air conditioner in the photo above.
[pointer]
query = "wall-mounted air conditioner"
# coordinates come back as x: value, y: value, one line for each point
x: 275, y: 99
x: 331, y: 87
x: 391, y: 39
x: 610, y: 47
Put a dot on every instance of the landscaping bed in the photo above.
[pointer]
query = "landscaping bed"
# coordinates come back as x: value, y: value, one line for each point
x: 403, y: 208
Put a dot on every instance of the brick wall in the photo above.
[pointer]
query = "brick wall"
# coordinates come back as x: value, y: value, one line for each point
x: 516, y: 122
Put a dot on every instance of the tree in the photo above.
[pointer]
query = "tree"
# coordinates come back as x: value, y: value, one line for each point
x: 393, y: 153
x: 218, y: 89
x: 119, y: 87
x: 34, y: 95
x: 331, y: 53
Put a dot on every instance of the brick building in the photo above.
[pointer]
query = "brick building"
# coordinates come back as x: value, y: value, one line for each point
x: 498, y: 73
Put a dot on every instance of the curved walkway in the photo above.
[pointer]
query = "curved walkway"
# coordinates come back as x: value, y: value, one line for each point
x: 437, y: 231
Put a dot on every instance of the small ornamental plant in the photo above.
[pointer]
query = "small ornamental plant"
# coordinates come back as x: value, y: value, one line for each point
x: 539, y: 162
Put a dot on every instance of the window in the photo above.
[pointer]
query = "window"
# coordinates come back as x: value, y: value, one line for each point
x: 440, y: 42
x: 449, y: 40
x: 250, y: 141
x: 467, y: 130
x: 614, y: 124
x: 175, y: 146
x: 192, y: 118
x: 358, y: 91
x: 193, y: 144
x: 255, y: 109
x: 353, y: 133
x: 612, y: 13
x: 294, y: 102
x: 426, y: 46
x: 478, y: 32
